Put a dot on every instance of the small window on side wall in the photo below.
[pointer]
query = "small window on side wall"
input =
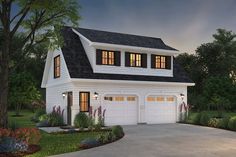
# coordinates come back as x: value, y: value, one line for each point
x: 84, y: 101
x: 57, y: 67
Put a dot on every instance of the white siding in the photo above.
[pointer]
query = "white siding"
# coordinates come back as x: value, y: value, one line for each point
x: 141, y: 91
x: 64, y: 77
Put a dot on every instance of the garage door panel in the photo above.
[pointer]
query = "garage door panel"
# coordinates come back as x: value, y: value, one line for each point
x: 121, y: 112
x: 159, y: 110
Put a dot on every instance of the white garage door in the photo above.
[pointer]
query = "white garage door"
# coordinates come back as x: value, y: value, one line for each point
x: 120, y: 109
x: 160, y: 109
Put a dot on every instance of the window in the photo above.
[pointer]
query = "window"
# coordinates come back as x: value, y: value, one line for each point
x: 170, y: 99
x: 108, y: 98
x: 160, y: 98
x: 160, y: 62
x: 108, y: 58
x: 135, y: 60
x: 84, y: 101
x: 130, y: 98
x: 57, y: 67
x: 119, y: 98
x: 150, y: 98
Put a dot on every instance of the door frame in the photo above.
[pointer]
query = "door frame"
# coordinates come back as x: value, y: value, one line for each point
x: 69, y: 105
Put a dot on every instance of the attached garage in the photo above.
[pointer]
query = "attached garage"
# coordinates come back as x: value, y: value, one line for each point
x: 160, y: 109
x: 121, y: 109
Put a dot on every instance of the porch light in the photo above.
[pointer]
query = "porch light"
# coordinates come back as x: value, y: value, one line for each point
x: 63, y: 95
x: 96, y: 95
x: 182, y: 96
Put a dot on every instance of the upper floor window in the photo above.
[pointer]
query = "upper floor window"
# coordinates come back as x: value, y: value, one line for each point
x: 160, y: 62
x: 135, y: 59
x: 57, y: 66
x: 107, y: 57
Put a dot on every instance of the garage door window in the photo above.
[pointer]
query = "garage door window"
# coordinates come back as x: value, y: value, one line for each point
x: 84, y: 101
x: 119, y: 98
x: 160, y: 98
x: 130, y: 98
x: 108, y: 98
x: 150, y: 98
x: 171, y: 99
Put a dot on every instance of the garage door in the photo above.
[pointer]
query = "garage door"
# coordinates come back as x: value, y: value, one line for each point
x: 120, y: 109
x: 160, y: 109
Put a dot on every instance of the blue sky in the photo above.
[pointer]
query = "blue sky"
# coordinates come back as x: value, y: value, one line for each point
x: 183, y: 24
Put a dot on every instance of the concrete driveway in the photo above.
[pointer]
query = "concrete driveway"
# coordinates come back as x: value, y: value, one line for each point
x: 167, y: 140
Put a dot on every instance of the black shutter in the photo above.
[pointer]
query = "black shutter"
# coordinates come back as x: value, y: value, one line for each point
x: 153, y: 61
x: 168, y: 62
x: 144, y: 60
x: 127, y: 59
x: 98, y: 57
x: 117, y: 58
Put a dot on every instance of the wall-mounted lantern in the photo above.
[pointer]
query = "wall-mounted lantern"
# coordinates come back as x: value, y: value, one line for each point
x: 182, y: 96
x: 95, y: 95
x: 64, y: 95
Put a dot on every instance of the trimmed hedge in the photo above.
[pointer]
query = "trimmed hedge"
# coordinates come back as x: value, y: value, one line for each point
x: 204, y: 118
x: 232, y: 123
x: 81, y: 120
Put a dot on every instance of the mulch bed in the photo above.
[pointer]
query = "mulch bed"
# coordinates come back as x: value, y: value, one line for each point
x: 32, y: 149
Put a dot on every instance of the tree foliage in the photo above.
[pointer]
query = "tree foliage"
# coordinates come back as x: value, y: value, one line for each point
x: 213, y: 70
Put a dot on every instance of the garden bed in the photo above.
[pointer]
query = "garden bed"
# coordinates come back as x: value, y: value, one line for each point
x: 32, y: 149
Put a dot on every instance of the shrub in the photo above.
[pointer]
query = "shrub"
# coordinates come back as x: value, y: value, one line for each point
x: 11, y: 144
x: 81, y: 120
x: 117, y: 131
x: 88, y: 143
x: 43, y: 117
x: 196, y: 118
x: 37, y: 114
x: 204, y: 118
x: 232, y: 123
x: 214, y: 122
x: 28, y: 135
x: 91, y: 123
x: 55, y: 119
x: 223, y: 123
x: 101, y: 138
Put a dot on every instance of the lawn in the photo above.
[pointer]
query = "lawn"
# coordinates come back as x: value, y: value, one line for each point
x: 52, y: 144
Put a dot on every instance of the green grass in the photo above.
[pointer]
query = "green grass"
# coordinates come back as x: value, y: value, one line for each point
x: 51, y: 144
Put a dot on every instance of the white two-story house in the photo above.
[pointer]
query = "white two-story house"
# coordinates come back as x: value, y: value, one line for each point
x: 135, y: 78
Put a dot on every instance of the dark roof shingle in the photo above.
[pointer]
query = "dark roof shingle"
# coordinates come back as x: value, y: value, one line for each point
x: 79, y: 65
x: 123, y: 39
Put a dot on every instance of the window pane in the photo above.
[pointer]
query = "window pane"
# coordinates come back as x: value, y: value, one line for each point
x: 130, y: 98
x: 120, y: 98
x: 160, y: 98
x: 84, y: 102
x: 150, y: 98
x: 170, y: 99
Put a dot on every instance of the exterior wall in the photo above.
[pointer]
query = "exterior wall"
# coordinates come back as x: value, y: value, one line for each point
x: 91, y: 53
x: 65, y: 77
x: 141, y: 91
x: 54, y: 97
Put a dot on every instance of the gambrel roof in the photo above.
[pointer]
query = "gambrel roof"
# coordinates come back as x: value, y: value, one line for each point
x: 123, y: 39
x: 79, y: 66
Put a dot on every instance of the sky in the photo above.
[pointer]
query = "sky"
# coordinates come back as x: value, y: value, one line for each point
x: 182, y: 24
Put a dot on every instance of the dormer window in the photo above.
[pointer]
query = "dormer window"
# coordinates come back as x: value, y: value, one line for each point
x: 108, y: 57
x: 135, y: 59
x: 160, y: 62
x: 57, y: 66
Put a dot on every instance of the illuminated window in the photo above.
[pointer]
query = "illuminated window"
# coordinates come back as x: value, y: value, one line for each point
x: 135, y: 60
x: 57, y: 67
x: 170, y: 99
x: 160, y: 62
x: 108, y: 98
x: 160, y: 99
x: 131, y: 98
x: 150, y: 98
x: 108, y: 58
x: 84, y: 100
x: 119, y: 98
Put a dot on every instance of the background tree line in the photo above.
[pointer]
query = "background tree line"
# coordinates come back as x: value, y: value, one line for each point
x: 213, y: 69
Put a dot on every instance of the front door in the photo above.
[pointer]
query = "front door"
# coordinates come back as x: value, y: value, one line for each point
x: 69, y: 104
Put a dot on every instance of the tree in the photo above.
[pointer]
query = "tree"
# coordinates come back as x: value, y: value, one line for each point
x: 35, y: 18
x: 22, y: 91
